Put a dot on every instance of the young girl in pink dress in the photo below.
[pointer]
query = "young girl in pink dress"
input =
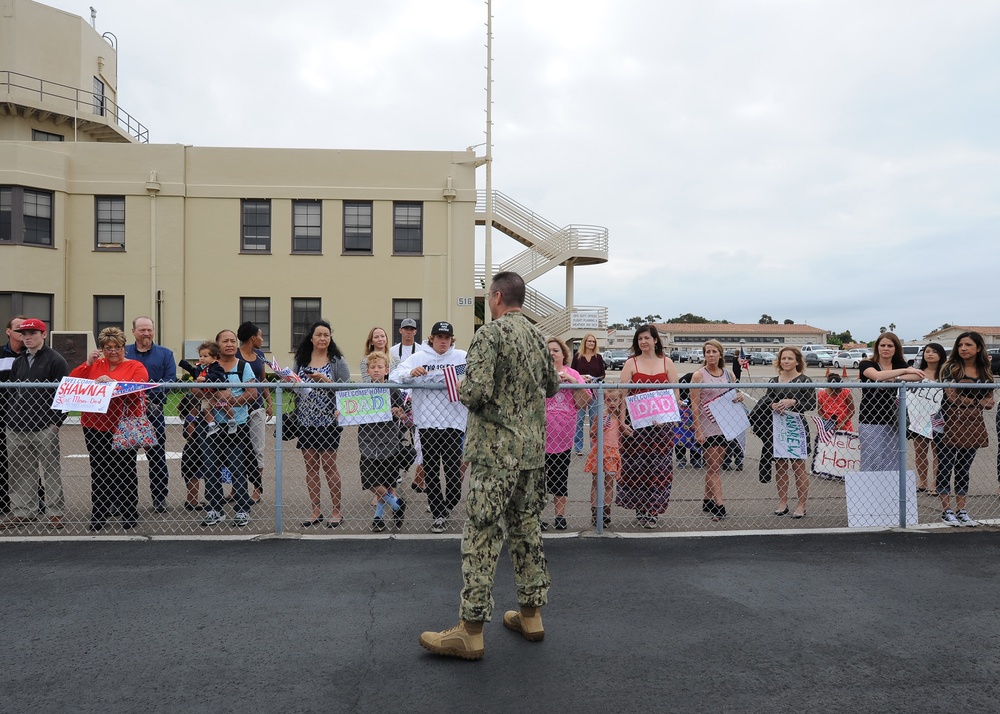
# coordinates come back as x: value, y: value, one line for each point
x: 615, y: 426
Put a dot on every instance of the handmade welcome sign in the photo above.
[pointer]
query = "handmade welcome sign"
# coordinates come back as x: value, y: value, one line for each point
x: 655, y: 407
x: 364, y: 406
x: 83, y: 395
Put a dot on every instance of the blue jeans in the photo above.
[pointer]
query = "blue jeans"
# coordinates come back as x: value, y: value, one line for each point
x: 235, y: 452
x: 591, y: 410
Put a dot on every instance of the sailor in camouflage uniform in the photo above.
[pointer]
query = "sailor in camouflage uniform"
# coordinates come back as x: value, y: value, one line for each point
x: 509, y: 373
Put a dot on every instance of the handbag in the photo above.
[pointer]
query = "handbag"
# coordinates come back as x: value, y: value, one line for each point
x: 290, y: 426
x: 405, y: 454
x: 133, y: 432
x: 965, y: 427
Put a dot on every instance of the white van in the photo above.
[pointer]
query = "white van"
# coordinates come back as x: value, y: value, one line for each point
x: 818, y: 348
x: 912, y: 353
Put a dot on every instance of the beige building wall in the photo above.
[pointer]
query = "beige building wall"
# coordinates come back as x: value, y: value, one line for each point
x: 183, y: 236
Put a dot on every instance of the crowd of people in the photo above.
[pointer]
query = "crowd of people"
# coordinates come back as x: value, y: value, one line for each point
x: 225, y: 435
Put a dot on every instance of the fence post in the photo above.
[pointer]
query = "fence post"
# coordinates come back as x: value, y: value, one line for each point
x: 599, y: 417
x: 901, y: 419
x: 279, y: 415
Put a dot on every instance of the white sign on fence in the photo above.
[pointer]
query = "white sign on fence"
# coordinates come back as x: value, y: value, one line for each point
x: 83, y: 395
x: 873, y: 499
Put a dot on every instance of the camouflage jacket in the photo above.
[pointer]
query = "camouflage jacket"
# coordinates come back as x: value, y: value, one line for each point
x: 508, y: 375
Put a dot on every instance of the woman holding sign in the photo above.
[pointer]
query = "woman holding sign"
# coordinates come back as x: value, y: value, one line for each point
x: 791, y: 365
x: 923, y: 444
x: 113, y: 476
x: 707, y: 431
x: 647, y: 465
x: 318, y: 360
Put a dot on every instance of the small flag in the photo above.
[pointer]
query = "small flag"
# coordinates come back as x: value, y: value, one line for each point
x: 744, y: 360
x: 283, y: 371
x: 132, y: 387
x: 823, y: 431
x: 451, y: 381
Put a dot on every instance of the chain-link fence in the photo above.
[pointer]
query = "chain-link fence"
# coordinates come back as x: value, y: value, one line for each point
x: 362, y: 458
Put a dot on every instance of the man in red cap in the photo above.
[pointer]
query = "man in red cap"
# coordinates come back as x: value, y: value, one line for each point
x: 14, y: 347
x: 33, y: 430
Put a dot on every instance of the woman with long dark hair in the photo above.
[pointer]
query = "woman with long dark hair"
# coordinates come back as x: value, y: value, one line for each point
x: 931, y: 361
x: 877, y: 418
x: 964, y: 425
x: 318, y: 360
x: 647, y: 464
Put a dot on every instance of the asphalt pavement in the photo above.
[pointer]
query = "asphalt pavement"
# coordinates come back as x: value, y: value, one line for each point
x: 858, y: 622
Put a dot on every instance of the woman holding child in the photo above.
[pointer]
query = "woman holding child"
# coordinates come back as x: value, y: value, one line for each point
x: 318, y: 360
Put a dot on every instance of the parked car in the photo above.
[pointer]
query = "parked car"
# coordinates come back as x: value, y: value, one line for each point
x: 694, y: 356
x: 761, y: 358
x: 675, y: 355
x: 845, y: 359
x: 859, y: 354
x: 994, y: 354
x: 911, y: 353
x: 819, y: 358
x: 615, y: 359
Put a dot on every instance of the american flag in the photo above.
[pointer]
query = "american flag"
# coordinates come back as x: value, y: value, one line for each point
x: 744, y: 361
x: 283, y: 371
x: 131, y: 387
x: 823, y: 431
x: 451, y: 381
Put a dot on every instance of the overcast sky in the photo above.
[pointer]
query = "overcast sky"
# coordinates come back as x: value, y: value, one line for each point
x: 836, y: 163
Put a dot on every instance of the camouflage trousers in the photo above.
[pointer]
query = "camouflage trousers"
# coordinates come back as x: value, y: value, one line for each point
x: 500, y: 500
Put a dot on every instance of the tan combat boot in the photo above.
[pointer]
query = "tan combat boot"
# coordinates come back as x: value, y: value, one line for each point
x: 528, y: 622
x: 464, y: 640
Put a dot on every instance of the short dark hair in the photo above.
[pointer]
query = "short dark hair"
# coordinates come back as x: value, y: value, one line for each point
x: 511, y: 288
x: 246, y: 331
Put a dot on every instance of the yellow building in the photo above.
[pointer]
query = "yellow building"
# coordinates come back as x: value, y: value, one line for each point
x: 98, y: 226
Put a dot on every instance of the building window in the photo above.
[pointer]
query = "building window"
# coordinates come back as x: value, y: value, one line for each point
x: 109, y: 311
x: 39, y: 135
x: 407, y: 228
x: 256, y: 226
x: 403, y: 309
x: 37, y: 305
x: 25, y: 216
x: 258, y: 311
x: 358, y: 227
x: 98, y: 97
x: 305, y: 311
x: 307, y: 227
x: 109, y: 213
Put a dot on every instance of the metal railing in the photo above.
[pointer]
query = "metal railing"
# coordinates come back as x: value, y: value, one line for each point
x: 70, y: 101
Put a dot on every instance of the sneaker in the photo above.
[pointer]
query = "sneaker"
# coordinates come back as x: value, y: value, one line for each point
x: 399, y: 514
x: 213, y: 518
x: 231, y: 427
x: 438, y: 525
x: 212, y: 428
x: 560, y: 523
x: 964, y: 519
x: 949, y: 517
x: 240, y: 520
x: 378, y: 525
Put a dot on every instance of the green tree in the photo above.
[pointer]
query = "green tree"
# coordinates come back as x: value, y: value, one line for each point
x: 766, y: 319
x: 688, y: 318
x: 845, y: 337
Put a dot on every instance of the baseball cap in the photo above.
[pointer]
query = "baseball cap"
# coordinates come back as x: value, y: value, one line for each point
x: 409, y: 323
x: 443, y: 328
x: 32, y: 324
